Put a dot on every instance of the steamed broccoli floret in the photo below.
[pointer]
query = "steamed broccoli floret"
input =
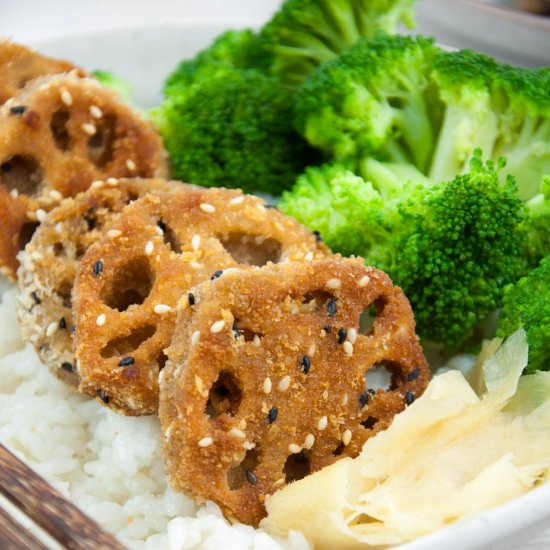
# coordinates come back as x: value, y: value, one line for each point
x: 305, y: 33
x: 537, y: 225
x: 401, y: 99
x: 375, y: 99
x: 452, y: 246
x: 527, y: 304
x: 117, y: 83
x: 232, y: 129
x: 240, y: 48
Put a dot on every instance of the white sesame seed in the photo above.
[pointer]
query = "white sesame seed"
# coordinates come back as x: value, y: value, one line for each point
x: 312, y: 349
x: 114, y: 233
x: 237, y: 200
x: 101, y: 318
x: 248, y: 445
x: 160, y: 309
x: 364, y: 281
x: 40, y: 215
x: 95, y: 111
x: 149, y: 248
x: 309, y: 441
x: 208, y: 208
x: 334, y: 284
x: 294, y: 449
x: 308, y: 257
x: 112, y: 181
x: 59, y: 228
x: 159, y: 231
x: 323, y: 423
x: 52, y: 328
x: 346, y: 437
x: 266, y: 388
x: 238, y: 433
x: 131, y: 165
x: 352, y: 335
x: 195, y: 242
x: 256, y: 340
x: 206, y: 442
x: 14, y: 193
x: 56, y: 195
x: 348, y: 348
x: 195, y: 337
x: 284, y: 384
x: 97, y: 184
x: 345, y: 400
x: 66, y: 98
x: 89, y: 128
x: 217, y: 326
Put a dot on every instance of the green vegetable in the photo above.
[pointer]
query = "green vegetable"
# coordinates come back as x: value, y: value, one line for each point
x: 527, y: 304
x: 305, y: 33
x: 537, y: 225
x: 117, y: 83
x: 452, y: 246
x: 232, y: 128
x: 402, y: 100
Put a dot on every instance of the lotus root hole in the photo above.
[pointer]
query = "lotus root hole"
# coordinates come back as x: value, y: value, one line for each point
x: 251, y: 250
x: 25, y: 233
x: 130, y: 285
x: 161, y: 360
x: 64, y: 292
x: 236, y: 476
x: 101, y: 145
x: 60, y: 132
x: 339, y: 450
x: 128, y: 344
x: 369, y: 315
x: 369, y: 423
x: 380, y: 377
x: 225, y: 396
x: 22, y: 174
x: 241, y: 331
x: 297, y: 466
x: 170, y: 237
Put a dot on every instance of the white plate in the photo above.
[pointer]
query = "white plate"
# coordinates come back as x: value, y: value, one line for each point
x: 144, y: 41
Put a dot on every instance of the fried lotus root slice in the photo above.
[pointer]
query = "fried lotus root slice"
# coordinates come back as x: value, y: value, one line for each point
x: 268, y: 373
x: 58, y: 135
x: 157, y: 251
x: 50, y: 261
x: 20, y: 64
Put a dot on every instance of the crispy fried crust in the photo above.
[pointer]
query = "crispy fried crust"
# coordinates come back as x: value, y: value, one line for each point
x: 68, y: 132
x: 20, y: 64
x: 159, y: 248
x: 50, y: 260
x: 262, y: 386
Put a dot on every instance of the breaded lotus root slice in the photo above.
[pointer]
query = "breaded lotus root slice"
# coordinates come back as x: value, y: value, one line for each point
x: 20, y: 64
x: 129, y: 283
x: 50, y: 261
x: 268, y: 378
x: 58, y: 135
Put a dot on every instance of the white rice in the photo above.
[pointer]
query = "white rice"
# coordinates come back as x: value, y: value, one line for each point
x: 109, y: 465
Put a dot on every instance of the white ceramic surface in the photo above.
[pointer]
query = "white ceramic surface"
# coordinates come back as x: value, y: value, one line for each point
x: 144, y: 41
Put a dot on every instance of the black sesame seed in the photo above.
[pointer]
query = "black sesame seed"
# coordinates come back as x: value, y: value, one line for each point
x: 306, y: 364
x: 216, y: 274
x: 272, y: 415
x: 62, y: 323
x: 342, y: 335
x: 67, y: 366
x: 191, y: 299
x: 236, y: 331
x: 318, y: 236
x: 409, y: 397
x: 222, y: 391
x: 252, y: 479
x: 327, y: 329
x: 371, y: 391
x: 18, y: 110
x: 98, y: 267
x: 364, y: 398
x: 35, y: 297
x: 413, y: 375
x: 126, y: 362
x: 331, y: 307
x: 102, y: 396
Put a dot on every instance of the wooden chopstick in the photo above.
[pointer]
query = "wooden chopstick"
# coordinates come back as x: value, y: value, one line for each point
x: 47, y: 507
x: 14, y: 535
